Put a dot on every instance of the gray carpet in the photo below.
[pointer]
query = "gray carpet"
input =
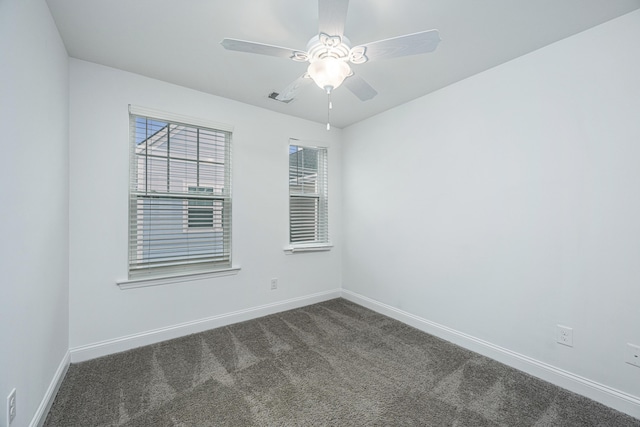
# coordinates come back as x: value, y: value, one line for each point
x: 328, y: 364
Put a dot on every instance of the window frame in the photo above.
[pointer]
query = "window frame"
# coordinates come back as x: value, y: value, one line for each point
x: 322, y: 241
x: 184, y: 268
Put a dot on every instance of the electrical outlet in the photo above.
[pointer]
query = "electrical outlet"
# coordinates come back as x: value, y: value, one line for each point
x: 633, y: 355
x: 11, y: 407
x: 565, y: 336
x: 274, y: 283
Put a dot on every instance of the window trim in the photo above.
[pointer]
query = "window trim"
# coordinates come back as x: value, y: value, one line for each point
x: 309, y: 247
x: 179, y: 275
x: 176, y: 278
x: 172, y: 117
x: 315, y: 246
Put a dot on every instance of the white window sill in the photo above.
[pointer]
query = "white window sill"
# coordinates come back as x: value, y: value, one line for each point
x: 289, y: 250
x: 167, y: 280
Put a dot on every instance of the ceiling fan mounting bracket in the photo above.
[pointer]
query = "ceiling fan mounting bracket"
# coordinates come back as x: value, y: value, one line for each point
x: 357, y: 55
x: 300, y: 56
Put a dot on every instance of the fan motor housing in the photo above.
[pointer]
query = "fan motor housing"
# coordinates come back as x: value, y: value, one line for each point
x: 326, y: 46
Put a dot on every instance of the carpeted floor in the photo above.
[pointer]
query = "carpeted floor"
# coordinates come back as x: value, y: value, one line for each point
x: 329, y: 364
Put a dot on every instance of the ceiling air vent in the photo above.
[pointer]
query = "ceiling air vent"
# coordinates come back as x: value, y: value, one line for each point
x: 274, y: 96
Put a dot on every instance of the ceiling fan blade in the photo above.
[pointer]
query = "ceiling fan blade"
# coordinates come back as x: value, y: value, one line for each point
x: 291, y: 91
x: 410, y: 44
x: 331, y: 16
x: 360, y: 87
x: 253, y: 47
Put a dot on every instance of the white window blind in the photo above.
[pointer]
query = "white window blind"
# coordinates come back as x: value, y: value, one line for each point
x: 180, y: 197
x: 308, y: 208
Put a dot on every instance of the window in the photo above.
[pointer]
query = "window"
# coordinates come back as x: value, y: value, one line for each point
x: 180, y: 196
x: 308, y: 210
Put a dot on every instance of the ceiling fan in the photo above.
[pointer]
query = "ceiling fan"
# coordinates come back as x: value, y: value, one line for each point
x: 330, y: 53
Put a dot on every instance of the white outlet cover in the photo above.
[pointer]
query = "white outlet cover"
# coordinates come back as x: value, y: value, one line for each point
x: 11, y: 406
x: 633, y: 355
x: 565, y: 335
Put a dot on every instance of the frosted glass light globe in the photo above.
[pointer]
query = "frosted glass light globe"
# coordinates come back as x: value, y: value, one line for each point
x: 329, y: 73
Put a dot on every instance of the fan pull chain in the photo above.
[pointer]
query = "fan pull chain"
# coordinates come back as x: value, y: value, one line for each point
x: 330, y: 107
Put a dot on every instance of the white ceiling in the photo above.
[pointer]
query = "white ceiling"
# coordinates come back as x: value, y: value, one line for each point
x: 178, y: 41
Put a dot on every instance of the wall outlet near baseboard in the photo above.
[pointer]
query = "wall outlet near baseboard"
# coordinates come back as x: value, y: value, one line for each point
x: 633, y: 355
x: 274, y: 283
x: 11, y: 407
x: 565, y: 336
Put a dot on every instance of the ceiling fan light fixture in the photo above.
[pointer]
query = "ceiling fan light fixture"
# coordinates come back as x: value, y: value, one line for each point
x: 328, y: 73
x: 330, y: 54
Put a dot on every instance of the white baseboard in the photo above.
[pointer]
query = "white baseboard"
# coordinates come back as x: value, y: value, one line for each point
x: 608, y: 396
x: 116, y: 345
x: 45, y: 405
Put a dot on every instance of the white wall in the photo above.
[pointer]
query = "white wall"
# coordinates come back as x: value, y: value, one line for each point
x: 34, y: 119
x: 100, y: 311
x: 506, y: 204
x: 510, y: 202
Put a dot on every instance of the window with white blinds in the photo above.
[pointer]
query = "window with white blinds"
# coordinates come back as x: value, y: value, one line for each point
x: 308, y: 208
x: 180, y: 197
